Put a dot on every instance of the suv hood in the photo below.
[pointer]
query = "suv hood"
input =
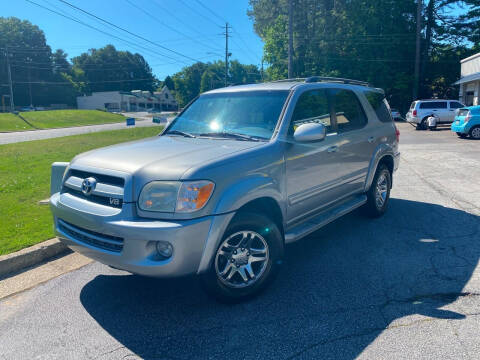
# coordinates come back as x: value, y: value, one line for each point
x: 162, y: 157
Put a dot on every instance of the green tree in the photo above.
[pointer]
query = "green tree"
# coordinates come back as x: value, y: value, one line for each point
x: 107, y: 69
x: 168, y: 82
x: 200, y: 77
x: 366, y: 40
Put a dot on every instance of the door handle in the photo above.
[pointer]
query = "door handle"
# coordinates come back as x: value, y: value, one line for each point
x: 435, y: 110
x: 371, y: 139
x: 332, y: 149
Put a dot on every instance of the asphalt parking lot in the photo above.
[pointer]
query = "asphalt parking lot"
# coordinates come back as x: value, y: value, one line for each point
x: 405, y: 286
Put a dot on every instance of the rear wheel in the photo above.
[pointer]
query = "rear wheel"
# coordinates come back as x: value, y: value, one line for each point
x: 246, y: 260
x: 462, y: 135
x: 379, y: 192
x: 475, y: 132
x: 424, y: 124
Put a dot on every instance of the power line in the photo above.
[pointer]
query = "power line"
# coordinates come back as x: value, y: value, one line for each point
x: 101, y: 31
x: 127, y: 31
x: 210, y: 11
x: 200, y: 14
x: 85, y: 82
x: 172, y: 14
x: 168, y: 26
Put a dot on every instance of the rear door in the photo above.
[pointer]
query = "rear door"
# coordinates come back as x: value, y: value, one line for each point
x: 443, y: 111
x: 357, y: 139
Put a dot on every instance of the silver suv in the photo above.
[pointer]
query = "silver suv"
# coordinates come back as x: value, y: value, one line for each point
x: 241, y: 172
x: 443, y: 110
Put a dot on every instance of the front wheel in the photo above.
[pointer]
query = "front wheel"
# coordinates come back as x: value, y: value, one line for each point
x: 246, y: 260
x: 379, y: 192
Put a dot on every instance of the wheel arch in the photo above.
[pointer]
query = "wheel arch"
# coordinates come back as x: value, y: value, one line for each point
x: 382, y: 156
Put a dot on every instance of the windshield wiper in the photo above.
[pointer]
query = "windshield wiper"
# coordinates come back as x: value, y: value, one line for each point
x: 231, y: 135
x: 178, y: 132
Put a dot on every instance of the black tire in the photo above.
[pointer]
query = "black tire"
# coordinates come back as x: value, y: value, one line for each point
x: 269, y: 231
x: 475, y: 132
x: 424, y: 124
x: 461, y: 135
x: 373, y: 209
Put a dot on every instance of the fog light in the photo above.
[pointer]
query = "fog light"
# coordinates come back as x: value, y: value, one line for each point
x: 164, y: 249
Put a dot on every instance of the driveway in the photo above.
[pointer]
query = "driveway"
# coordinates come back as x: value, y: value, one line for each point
x: 405, y: 286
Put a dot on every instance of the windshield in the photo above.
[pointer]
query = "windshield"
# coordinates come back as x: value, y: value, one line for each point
x: 253, y: 113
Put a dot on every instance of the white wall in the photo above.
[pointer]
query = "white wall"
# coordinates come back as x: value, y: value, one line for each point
x: 98, y: 99
x: 470, y: 65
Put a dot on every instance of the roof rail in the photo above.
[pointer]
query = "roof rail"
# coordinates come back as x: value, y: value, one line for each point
x: 313, y: 79
x: 288, y: 80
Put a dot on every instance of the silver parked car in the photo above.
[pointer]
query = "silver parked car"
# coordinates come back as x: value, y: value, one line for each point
x: 444, y: 112
x: 241, y: 172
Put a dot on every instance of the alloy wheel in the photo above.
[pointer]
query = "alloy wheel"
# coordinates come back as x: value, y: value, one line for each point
x: 381, y: 191
x: 241, y: 259
x: 476, y: 133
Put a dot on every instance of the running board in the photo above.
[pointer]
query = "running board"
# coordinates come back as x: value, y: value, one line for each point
x: 324, y: 218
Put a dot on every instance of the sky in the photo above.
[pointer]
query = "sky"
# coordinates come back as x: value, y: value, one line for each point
x: 191, y: 29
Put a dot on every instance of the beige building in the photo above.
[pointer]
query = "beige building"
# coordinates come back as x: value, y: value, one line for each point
x: 135, y: 100
x: 470, y: 80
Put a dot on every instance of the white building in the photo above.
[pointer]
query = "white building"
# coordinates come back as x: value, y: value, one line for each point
x: 136, y: 100
x: 470, y: 80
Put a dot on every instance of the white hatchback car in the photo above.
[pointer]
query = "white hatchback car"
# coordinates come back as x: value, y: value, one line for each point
x: 443, y: 110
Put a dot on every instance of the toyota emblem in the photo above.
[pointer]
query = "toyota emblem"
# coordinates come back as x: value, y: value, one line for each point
x: 88, y: 185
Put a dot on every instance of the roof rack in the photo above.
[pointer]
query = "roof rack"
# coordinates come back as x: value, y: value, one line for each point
x: 314, y: 79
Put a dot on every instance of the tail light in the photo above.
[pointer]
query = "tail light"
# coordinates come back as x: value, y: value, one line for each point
x: 397, y: 134
x: 414, y: 113
x: 467, y: 118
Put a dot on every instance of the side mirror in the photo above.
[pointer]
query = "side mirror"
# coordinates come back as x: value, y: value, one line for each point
x: 310, y: 132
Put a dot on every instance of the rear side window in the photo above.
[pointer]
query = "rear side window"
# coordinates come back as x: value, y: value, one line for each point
x: 434, y: 105
x: 312, y: 107
x: 348, y: 110
x: 380, y: 105
x: 413, y: 105
x: 455, y: 105
x: 463, y: 112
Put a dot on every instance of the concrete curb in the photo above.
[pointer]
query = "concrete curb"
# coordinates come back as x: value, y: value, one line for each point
x: 31, y: 256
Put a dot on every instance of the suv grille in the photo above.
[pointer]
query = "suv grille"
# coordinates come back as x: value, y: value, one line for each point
x: 102, y: 241
x: 108, y: 190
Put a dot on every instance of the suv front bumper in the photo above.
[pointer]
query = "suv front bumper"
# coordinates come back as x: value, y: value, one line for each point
x: 135, y: 239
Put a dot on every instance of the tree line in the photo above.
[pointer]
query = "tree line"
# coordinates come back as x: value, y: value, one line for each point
x: 372, y: 41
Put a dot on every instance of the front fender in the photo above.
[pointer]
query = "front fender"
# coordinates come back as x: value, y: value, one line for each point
x: 232, y: 199
x: 249, y: 189
x: 381, y: 151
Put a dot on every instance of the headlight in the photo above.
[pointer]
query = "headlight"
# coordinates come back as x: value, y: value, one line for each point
x: 159, y: 196
x: 171, y: 196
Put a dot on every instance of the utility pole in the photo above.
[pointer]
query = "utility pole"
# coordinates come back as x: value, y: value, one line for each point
x: 226, y: 54
x: 262, y: 71
x: 30, y: 81
x: 417, y: 49
x: 290, y: 39
x: 12, y: 105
